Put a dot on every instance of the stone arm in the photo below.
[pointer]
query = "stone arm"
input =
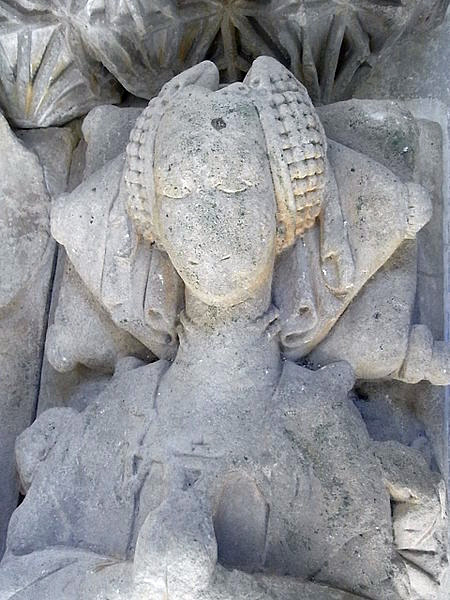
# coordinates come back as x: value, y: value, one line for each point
x: 418, y: 500
x: 176, y: 558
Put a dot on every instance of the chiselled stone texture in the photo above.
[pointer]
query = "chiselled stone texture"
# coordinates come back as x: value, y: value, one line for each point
x: 144, y: 43
x: 55, y: 55
x: 46, y: 75
x: 240, y: 467
x: 33, y: 169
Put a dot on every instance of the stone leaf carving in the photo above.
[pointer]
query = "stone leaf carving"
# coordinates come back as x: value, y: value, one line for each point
x: 46, y: 77
x: 52, y: 52
x: 323, y: 43
x: 139, y: 42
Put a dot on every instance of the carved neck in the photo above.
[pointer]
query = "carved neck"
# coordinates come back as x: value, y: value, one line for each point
x: 218, y: 318
x: 234, y: 341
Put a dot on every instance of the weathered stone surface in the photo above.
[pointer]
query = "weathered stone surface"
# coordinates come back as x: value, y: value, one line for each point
x: 413, y: 68
x: 430, y: 173
x: 411, y: 147
x: 231, y: 219
x: 54, y: 148
x: 327, y: 45
x: 81, y: 248
x: 24, y: 218
x: 46, y: 78
x: 107, y: 129
x: 28, y: 177
x: 57, y: 57
x: 391, y: 134
x: 25, y: 247
x: 83, y: 334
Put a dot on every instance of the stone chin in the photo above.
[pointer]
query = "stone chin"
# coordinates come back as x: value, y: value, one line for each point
x: 224, y: 288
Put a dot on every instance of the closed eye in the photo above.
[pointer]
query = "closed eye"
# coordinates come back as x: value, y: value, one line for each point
x: 233, y: 189
x: 176, y: 192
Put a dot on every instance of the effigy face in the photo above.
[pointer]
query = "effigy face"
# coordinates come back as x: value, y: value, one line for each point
x: 245, y: 250
x: 215, y: 205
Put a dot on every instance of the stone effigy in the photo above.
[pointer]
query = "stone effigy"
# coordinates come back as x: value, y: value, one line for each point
x: 229, y: 239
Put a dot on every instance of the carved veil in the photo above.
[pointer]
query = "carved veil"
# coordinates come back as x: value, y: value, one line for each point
x: 321, y: 263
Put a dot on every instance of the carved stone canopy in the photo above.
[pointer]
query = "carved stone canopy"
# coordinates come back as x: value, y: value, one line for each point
x: 61, y: 58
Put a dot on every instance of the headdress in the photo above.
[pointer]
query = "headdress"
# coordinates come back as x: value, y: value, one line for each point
x: 295, y: 140
x: 296, y: 145
x: 138, y: 173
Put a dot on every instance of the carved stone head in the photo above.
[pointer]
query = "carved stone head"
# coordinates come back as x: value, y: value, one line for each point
x: 219, y: 184
x: 222, y: 180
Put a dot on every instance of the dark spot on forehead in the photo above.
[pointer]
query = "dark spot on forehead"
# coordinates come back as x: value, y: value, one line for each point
x: 218, y: 123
